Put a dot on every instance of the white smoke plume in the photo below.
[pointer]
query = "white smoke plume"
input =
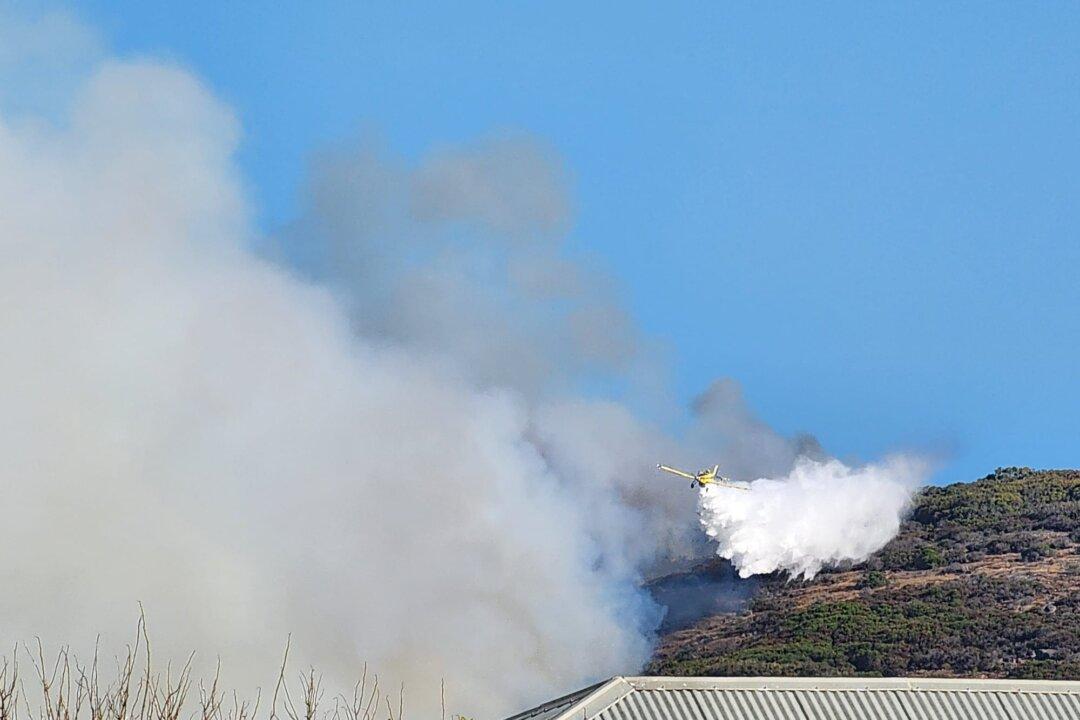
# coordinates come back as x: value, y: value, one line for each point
x: 382, y: 441
x: 823, y: 512
x: 189, y: 426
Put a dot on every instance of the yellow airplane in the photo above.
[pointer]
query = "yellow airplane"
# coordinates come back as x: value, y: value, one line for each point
x: 708, y: 476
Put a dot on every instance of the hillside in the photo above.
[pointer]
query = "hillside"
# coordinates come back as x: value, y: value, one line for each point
x: 982, y: 580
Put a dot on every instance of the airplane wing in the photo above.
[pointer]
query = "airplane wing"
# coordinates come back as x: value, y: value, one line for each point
x: 674, y: 471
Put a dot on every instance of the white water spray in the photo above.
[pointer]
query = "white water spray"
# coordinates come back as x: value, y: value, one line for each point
x: 822, y: 513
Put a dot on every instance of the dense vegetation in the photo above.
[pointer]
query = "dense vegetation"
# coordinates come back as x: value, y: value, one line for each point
x: 1015, y: 510
x: 983, y: 580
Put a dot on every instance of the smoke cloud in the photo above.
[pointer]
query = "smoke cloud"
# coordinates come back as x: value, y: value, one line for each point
x: 461, y: 260
x: 188, y: 425
x: 381, y: 435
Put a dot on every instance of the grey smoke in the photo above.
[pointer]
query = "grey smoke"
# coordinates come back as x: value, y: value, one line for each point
x: 461, y: 258
x: 509, y: 186
x: 382, y: 437
x: 742, y: 443
x: 250, y: 455
x: 707, y: 589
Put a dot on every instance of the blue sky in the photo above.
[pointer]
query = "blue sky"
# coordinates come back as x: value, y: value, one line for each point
x: 866, y: 213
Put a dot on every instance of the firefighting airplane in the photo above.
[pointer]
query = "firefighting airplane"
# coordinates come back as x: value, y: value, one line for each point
x: 708, y: 476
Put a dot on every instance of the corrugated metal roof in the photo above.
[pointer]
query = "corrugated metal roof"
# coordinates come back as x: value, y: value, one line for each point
x: 554, y: 708
x: 664, y: 698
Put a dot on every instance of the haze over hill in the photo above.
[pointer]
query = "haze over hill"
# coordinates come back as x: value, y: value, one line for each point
x: 982, y: 580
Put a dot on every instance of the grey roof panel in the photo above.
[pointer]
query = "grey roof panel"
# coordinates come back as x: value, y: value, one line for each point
x: 852, y: 704
x: 666, y: 698
x: 959, y: 705
x: 1041, y: 706
x: 736, y: 704
x: 556, y: 707
x: 654, y: 704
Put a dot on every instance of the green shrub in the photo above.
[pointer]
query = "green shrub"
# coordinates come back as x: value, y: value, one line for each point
x: 874, y: 579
